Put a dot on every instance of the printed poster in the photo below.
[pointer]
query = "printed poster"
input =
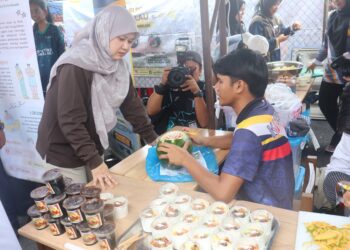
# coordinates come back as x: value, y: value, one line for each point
x: 21, y: 97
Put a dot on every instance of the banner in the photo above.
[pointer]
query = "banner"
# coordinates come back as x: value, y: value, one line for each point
x: 21, y: 98
x: 167, y: 29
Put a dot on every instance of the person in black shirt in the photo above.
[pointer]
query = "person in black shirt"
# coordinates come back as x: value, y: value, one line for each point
x: 184, y: 106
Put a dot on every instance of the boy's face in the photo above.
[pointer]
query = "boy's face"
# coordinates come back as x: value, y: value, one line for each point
x: 224, y: 88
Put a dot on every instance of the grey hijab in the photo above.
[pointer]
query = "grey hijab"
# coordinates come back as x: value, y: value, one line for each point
x: 111, y: 78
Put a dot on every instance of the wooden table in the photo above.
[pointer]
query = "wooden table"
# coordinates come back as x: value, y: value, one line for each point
x: 303, y: 89
x: 139, y: 194
x: 134, y: 166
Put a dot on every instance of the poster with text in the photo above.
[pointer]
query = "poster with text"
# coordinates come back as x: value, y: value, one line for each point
x: 167, y: 29
x: 21, y: 98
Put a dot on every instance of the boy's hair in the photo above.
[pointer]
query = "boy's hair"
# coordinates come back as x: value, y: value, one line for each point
x: 246, y: 65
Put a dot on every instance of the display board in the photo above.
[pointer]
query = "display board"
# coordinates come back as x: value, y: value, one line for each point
x: 21, y: 98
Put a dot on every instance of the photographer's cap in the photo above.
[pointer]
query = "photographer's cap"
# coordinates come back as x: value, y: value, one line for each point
x: 193, y: 56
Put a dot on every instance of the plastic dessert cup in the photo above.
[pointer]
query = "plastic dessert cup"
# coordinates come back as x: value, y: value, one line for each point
x: 108, y: 213
x: 106, y: 236
x: 202, y: 237
x: 106, y: 197
x: 222, y: 241
x: 264, y: 218
x: 91, y: 192
x: 89, y: 238
x: 54, y: 203
x: 54, y: 181
x: 200, y: 206
x: 159, y: 204
x: 93, y: 211
x: 254, y: 231
x: 232, y: 227
x: 160, y: 227
x: 211, y: 223
x: 161, y: 243
x: 120, y: 207
x: 38, y: 219
x: 172, y: 213
x: 169, y: 191
x: 71, y: 230
x: 191, y: 218
x: 147, y: 217
x: 55, y: 226
x: 183, y: 202
x: 241, y: 214
x: 38, y: 195
x: 72, y: 205
x: 219, y: 209
x: 179, y: 234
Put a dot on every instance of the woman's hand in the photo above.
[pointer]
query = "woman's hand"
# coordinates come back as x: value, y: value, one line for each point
x: 103, y: 177
x: 176, y: 155
x: 346, y: 78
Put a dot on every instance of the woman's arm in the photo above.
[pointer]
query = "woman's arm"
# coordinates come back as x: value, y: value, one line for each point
x: 72, y: 98
x: 135, y: 113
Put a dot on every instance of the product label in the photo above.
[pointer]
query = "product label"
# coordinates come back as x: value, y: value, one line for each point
x: 41, y: 205
x: 39, y: 222
x: 104, y: 244
x: 54, y: 229
x: 94, y: 221
x: 55, y: 210
x: 71, y: 233
x: 88, y: 238
x: 75, y: 216
x: 50, y: 188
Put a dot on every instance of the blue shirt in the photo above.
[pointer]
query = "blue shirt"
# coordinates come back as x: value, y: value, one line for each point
x: 49, y: 46
x: 260, y: 154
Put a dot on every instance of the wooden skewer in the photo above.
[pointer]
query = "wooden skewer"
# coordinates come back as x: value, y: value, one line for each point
x: 127, y: 243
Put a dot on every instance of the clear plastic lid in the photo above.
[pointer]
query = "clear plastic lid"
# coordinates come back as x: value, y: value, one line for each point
x: 92, y: 206
x: 105, y: 230
x: 52, y: 174
x: 75, y: 188
x: 73, y: 202
x: 83, y: 227
x: 39, y: 193
x: 52, y: 199
x: 91, y: 192
x: 33, y: 212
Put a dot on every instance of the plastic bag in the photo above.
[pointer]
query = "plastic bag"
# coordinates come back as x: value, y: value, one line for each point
x: 285, y: 102
x: 153, y: 166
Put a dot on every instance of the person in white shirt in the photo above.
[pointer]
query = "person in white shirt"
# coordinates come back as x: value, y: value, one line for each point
x: 339, y: 167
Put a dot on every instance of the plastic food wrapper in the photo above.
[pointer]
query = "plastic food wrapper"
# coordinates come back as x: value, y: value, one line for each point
x: 156, y: 172
x: 287, y: 104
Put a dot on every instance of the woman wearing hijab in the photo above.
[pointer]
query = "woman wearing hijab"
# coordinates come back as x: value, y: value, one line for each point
x: 267, y: 24
x: 336, y: 43
x: 87, y: 85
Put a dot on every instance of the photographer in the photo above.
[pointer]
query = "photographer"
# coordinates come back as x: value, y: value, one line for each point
x: 179, y: 103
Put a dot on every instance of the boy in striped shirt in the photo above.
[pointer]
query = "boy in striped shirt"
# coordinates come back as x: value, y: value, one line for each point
x: 259, y: 166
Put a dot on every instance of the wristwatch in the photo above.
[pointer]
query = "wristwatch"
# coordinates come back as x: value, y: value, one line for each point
x: 161, y: 89
x: 198, y: 94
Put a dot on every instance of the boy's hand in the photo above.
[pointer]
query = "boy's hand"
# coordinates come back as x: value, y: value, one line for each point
x: 176, y: 155
x: 198, y: 139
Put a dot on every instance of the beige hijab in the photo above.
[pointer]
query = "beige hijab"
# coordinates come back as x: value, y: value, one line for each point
x: 111, y: 78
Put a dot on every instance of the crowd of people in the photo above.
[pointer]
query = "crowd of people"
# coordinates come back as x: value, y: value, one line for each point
x: 90, y: 81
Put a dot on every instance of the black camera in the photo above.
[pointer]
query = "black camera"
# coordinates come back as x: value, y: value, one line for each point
x: 342, y: 66
x: 177, y: 76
